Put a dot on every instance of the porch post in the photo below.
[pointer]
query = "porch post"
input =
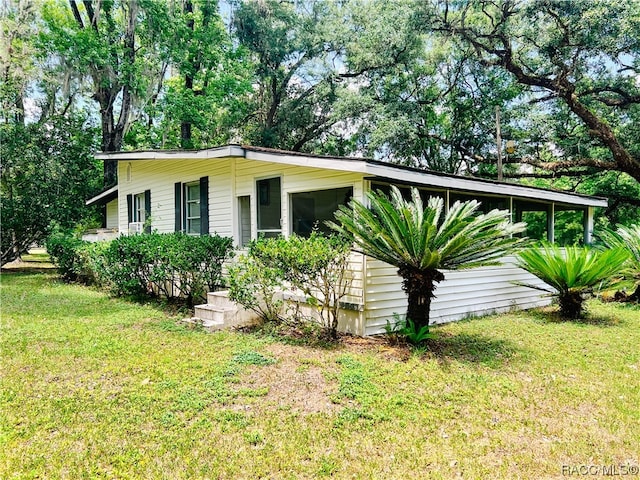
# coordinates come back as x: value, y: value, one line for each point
x: 551, y: 213
x: 587, y: 220
x: 512, y: 216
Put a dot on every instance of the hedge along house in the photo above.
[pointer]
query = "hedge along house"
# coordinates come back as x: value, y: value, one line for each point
x: 245, y: 192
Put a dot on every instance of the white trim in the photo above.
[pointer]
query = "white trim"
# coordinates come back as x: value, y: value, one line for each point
x: 220, y: 152
x: 283, y: 197
x: 483, y: 186
x: 366, y: 167
x: 104, y: 194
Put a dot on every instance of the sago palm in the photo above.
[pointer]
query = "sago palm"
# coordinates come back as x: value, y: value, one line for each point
x: 421, y: 242
x: 571, y: 271
x: 627, y: 238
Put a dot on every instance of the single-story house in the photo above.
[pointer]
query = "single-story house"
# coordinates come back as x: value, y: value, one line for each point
x: 244, y: 192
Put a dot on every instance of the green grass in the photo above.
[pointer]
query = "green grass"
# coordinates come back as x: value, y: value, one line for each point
x: 93, y: 387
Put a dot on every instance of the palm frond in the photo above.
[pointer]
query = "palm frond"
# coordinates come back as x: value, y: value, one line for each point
x: 571, y: 268
x: 405, y: 232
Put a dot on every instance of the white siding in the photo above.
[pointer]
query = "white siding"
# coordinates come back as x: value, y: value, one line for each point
x: 228, y: 179
x: 463, y: 293
x: 160, y: 177
x: 112, y: 214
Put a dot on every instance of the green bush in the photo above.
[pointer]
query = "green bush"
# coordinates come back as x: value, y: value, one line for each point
x: 627, y: 238
x: 255, y: 285
x: 173, y: 265
x: 63, y: 247
x: 90, y: 265
x: 315, y: 266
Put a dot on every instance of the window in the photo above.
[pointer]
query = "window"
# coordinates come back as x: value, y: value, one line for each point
x: 192, y: 207
x: 138, y: 208
x: 487, y: 203
x: 568, y: 225
x: 535, y: 215
x: 192, y: 203
x: 244, y: 216
x: 310, y: 210
x: 405, y: 190
x: 269, y: 207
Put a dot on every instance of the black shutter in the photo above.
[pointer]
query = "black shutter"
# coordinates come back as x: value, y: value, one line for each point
x: 130, y: 208
x: 204, y: 206
x: 178, y: 206
x: 147, y: 211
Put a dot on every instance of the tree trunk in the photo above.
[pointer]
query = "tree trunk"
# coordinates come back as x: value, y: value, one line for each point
x: 571, y: 305
x: 419, y: 286
x: 185, y: 126
x: 111, y: 141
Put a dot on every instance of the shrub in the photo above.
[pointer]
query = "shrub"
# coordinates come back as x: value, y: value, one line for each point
x: 172, y: 265
x: 407, y: 330
x: 627, y: 238
x: 316, y: 266
x: 255, y: 285
x: 91, y: 262
x: 62, y: 247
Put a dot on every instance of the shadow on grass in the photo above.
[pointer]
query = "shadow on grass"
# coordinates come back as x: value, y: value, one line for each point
x: 552, y: 315
x: 471, y: 348
x: 27, y: 269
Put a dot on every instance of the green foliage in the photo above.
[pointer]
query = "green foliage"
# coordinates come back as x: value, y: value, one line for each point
x: 47, y: 173
x: 587, y: 121
x: 421, y: 242
x: 206, y: 96
x: 571, y: 271
x: 255, y: 285
x: 315, y: 266
x: 107, y: 47
x: 408, y: 331
x: 63, y: 247
x: 627, y: 238
x: 172, y: 265
x: 296, y: 86
x: 250, y: 357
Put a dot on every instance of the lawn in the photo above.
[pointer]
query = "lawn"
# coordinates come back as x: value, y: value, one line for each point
x: 94, y: 387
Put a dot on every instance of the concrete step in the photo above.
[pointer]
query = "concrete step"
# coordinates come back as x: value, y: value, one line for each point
x: 221, y: 299
x: 214, y: 317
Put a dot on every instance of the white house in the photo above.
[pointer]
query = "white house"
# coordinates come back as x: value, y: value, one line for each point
x: 244, y: 192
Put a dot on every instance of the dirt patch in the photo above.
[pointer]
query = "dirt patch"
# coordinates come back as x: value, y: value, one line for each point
x: 378, y: 345
x: 298, y: 381
x: 305, y: 378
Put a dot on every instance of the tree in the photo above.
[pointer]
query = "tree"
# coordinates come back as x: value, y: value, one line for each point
x: 107, y: 44
x: 423, y: 101
x: 296, y: 84
x: 48, y: 171
x: 579, y: 57
x: 571, y: 271
x: 16, y: 58
x: 203, y: 103
x: 422, y: 242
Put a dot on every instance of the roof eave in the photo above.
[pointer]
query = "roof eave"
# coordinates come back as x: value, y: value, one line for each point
x: 104, y: 197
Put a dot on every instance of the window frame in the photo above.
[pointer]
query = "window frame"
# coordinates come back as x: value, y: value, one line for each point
x: 260, y: 198
x: 291, y: 195
x: 139, y: 208
x: 187, y: 220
